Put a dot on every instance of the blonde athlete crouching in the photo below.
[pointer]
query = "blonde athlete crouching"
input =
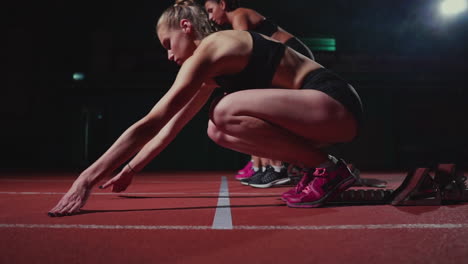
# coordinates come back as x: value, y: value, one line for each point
x: 278, y: 104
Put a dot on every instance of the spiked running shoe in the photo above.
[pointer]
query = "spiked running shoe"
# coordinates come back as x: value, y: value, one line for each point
x: 270, y: 178
x: 257, y: 175
x: 325, y: 183
x: 306, y: 178
x: 245, y: 175
x: 246, y: 168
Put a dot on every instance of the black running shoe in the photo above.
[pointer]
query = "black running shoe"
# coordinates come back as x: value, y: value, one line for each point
x: 257, y: 175
x: 271, y: 178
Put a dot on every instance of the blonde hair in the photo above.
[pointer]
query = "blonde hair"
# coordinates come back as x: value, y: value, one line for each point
x: 187, y: 9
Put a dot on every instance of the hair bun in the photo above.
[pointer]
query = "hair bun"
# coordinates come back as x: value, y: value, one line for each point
x: 184, y: 2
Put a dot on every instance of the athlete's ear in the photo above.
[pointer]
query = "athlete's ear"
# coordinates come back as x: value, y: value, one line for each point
x: 222, y: 4
x: 186, y: 26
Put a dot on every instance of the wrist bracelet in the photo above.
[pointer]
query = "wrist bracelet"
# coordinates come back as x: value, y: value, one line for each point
x: 130, y: 167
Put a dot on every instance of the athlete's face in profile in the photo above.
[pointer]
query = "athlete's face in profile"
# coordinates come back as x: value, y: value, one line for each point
x: 216, y: 12
x: 177, y: 41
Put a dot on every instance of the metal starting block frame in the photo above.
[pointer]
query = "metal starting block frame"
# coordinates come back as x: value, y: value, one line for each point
x: 447, y: 186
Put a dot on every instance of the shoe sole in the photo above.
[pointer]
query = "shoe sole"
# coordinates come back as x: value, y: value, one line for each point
x: 244, y: 183
x: 284, y: 199
x: 268, y: 185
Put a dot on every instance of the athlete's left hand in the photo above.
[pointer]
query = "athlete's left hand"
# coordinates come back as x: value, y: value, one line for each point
x: 121, y: 181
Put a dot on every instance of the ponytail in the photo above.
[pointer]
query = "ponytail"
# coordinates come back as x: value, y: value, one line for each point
x: 187, y: 9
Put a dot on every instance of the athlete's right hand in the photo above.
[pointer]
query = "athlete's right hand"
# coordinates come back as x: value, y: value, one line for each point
x: 73, y: 200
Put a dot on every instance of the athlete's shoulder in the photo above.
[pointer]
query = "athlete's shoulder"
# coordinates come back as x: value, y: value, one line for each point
x: 242, y: 11
x: 225, y: 50
x: 225, y: 40
x: 225, y: 34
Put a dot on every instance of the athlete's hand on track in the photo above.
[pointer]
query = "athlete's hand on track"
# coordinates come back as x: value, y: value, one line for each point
x: 119, y: 182
x: 73, y: 200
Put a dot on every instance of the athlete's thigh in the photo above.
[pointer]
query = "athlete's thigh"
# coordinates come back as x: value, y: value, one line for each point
x: 309, y: 113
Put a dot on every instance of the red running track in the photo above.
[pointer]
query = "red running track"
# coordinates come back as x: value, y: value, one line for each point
x: 169, y: 217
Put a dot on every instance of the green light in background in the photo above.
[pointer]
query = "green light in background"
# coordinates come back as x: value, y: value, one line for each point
x: 320, y: 44
x: 324, y: 48
x: 78, y: 76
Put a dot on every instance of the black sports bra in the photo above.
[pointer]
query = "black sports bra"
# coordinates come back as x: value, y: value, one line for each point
x: 265, y: 58
x: 266, y: 27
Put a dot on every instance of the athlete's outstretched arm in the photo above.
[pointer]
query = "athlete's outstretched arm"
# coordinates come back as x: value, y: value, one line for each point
x: 187, y: 84
x: 122, y: 180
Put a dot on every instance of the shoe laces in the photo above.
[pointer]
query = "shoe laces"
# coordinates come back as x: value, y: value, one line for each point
x: 308, y: 188
x: 270, y: 176
x: 321, y: 173
x: 307, y: 176
x: 304, y: 181
x: 318, y: 173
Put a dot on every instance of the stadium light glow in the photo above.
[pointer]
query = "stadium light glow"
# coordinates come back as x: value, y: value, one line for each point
x: 452, y: 7
x: 78, y: 76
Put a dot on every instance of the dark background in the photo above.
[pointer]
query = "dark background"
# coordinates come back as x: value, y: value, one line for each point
x: 407, y: 62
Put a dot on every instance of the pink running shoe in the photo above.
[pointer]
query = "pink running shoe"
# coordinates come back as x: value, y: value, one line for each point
x: 306, y: 178
x: 246, y: 168
x: 245, y: 175
x: 325, y: 183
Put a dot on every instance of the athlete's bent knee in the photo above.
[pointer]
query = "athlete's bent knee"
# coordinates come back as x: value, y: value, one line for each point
x: 218, y: 136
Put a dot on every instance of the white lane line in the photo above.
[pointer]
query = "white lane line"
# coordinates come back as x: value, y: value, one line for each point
x: 222, y: 218
x: 103, y: 227
x: 272, y: 227
x: 144, y: 193
x: 357, y: 227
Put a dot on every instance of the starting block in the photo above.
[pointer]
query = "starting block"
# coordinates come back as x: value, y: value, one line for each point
x: 366, y: 182
x: 363, y: 197
x: 418, y: 188
x: 447, y: 186
x: 452, y: 184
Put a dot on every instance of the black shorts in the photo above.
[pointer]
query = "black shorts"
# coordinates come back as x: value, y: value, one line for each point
x: 295, y: 44
x: 331, y: 84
